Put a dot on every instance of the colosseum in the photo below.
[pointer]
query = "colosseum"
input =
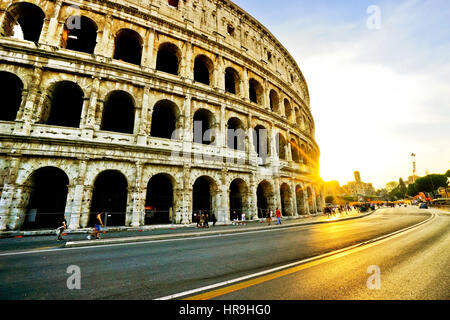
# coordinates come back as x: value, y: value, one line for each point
x: 150, y: 110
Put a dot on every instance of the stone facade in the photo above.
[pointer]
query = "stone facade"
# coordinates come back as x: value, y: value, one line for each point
x: 153, y: 65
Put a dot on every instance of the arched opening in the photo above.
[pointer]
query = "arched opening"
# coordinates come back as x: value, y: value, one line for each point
x: 294, y: 151
x: 11, y: 92
x: 264, y: 196
x: 159, y: 200
x: 238, y: 198
x: 281, y: 146
x: 109, y: 196
x: 128, y: 46
x: 164, y: 120
x: 203, y: 195
x: 274, y: 101
x: 231, y: 81
x: 118, y: 112
x: 255, y: 91
x: 261, y: 141
x: 168, y: 58
x: 235, y: 134
x: 173, y: 3
x: 48, y: 189
x: 63, y: 105
x: 204, y: 123
x: 287, y: 109
x: 300, y: 200
x: 80, y: 34
x: 23, y: 21
x: 203, y: 70
x: 304, y: 154
x: 298, y: 118
x: 285, y: 195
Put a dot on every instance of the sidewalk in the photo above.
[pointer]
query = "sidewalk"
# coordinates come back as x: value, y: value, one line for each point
x: 191, y: 231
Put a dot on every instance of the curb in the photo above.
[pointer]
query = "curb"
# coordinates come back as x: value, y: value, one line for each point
x: 91, y: 243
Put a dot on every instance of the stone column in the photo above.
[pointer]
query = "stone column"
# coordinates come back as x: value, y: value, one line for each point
x: 76, y: 193
x: 49, y: 29
x: 145, y: 117
x: 305, y: 199
x: 89, y: 111
x: 138, y: 197
x: 147, y: 52
x: 245, y: 86
x: 294, y: 199
x: 31, y: 111
x: 9, y: 189
x: 252, y: 198
x: 187, y: 68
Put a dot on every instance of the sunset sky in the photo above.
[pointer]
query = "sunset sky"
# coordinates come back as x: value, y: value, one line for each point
x: 377, y: 95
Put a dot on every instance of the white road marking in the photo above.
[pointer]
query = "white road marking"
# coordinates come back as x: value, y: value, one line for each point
x: 255, y: 275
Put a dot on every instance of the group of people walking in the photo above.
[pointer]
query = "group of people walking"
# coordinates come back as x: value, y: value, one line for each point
x: 269, y: 216
x: 202, y: 219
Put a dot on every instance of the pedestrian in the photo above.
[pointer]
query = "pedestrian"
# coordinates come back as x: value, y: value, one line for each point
x: 243, y: 218
x: 269, y: 217
x: 213, y: 219
x: 202, y: 220
x: 278, y: 214
x: 61, y: 228
x: 97, y: 227
x: 235, y: 218
x: 198, y: 219
x: 205, y: 223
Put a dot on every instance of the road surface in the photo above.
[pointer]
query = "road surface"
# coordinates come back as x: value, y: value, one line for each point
x: 413, y: 265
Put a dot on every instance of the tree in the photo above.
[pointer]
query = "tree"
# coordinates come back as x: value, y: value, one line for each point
x: 431, y: 182
x: 401, y: 188
x: 447, y: 174
x: 329, y: 199
x: 391, y: 186
x: 412, y: 190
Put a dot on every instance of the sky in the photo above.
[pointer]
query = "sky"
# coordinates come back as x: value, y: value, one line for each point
x: 378, y: 77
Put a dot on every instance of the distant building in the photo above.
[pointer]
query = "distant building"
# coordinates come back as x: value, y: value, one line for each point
x: 358, y: 187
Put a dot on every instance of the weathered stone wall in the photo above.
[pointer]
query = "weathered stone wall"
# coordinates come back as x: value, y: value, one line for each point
x: 219, y: 30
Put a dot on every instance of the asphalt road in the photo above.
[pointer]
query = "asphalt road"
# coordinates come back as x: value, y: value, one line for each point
x: 159, y: 269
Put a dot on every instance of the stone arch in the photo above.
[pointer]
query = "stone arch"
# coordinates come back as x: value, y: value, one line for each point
x: 236, y: 134
x: 82, y: 37
x: 238, y: 197
x: 261, y: 141
x: 23, y: 20
x: 203, y: 70
x: 63, y: 104
x: 165, y: 117
x: 45, y: 199
x: 118, y: 112
x: 299, y: 195
x: 232, y: 81
x: 281, y: 146
x: 265, y: 199
x: 160, y: 199
x: 128, y: 46
x: 287, y: 109
x: 286, y: 199
x: 256, y: 91
x: 173, y: 3
x: 110, y: 195
x: 294, y: 150
x: 204, y: 192
x: 274, y: 101
x: 168, y: 58
x: 204, y: 127
x: 11, y: 88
